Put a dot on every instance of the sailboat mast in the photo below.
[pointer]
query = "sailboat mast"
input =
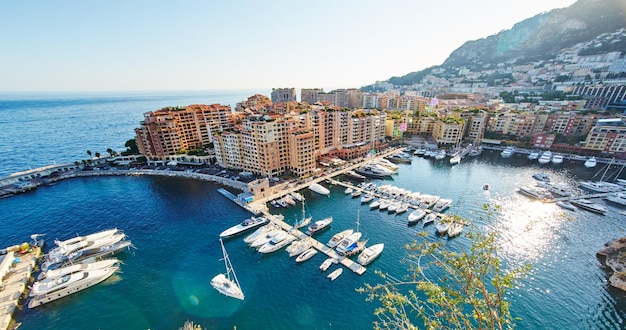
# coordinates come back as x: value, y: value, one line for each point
x: 225, y: 257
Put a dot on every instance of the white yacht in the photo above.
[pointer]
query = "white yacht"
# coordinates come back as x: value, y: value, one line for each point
x: 355, y: 176
x: 339, y: 237
x: 316, y: 187
x: 333, y: 276
x: 557, y: 159
x: 375, y: 204
x: 374, y: 170
x: 62, y: 254
x: 600, y: 186
x: 356, y: 193
x: 591, y: 162
x: 561, y: 189
x: 534, y: 154
x: 541, y: 176
x: 70, y: 283
x: 370, y: 253
x: 277, y: 243
x: 455, y: 159
x: 52, y: 274
x: 537, y: 193
x: 319, y: 225
x: 617, y: 198
x: 306, y: 255
x: 298, y: 246
x: 546, y: 157
x: 588, y: 205
x: 266, y: 238
x: 297, y: 196
x: 245, y: 225
x: 348, y: 242
x: 227, y: 284
x: 386, y: 163
x: 507, y: 152
x: 86, y: 255
x: 348, y: 191
x: 79, y: 242
x: 261, y: 231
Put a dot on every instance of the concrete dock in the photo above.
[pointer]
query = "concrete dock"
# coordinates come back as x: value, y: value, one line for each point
x: 16, y: 269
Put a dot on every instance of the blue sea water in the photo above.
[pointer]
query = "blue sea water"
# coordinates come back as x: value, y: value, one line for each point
x: 175, y: 223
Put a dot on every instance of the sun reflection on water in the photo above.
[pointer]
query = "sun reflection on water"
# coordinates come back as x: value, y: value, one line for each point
x: 526, y: 228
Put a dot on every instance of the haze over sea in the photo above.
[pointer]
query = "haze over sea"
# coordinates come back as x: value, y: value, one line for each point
x: 175, y: 223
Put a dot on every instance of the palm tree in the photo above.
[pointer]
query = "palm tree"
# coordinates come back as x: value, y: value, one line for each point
x: 97, y: 154
x: 110, y: 151
x: 89, y: 153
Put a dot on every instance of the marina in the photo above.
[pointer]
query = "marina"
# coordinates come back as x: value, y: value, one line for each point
x: 203, y: 210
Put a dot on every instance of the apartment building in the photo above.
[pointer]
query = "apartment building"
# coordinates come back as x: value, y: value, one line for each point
x: 170, y: 130
x: 608, y: 137
x: 310, y: 95
x: 301, y: 152
x: 448, y: 131
x: 273, y: 146
x: 601, y: 96
x: 256, y: 103
x: 283, y: 95
x: 475, y: 122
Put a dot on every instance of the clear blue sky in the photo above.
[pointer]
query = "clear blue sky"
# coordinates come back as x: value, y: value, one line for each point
x: 194, y: 45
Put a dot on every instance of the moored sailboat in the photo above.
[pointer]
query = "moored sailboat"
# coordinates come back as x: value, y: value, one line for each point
x: 227, y: 283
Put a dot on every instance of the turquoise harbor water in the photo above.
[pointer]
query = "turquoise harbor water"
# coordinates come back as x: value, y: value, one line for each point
x: 175, y: 223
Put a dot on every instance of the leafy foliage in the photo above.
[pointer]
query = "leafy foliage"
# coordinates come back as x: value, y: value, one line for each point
x: 447, y: 289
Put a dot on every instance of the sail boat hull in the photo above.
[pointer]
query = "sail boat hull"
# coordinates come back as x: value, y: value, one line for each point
x: 226, y: 287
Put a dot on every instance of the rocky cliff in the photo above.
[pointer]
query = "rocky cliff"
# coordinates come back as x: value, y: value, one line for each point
x: 613, y: 256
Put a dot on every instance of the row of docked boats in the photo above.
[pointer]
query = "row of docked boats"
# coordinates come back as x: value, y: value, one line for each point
x: 76, y: 264
x: 546, y: 157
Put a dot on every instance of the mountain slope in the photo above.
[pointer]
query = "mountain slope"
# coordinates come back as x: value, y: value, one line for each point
x: 537, y: 38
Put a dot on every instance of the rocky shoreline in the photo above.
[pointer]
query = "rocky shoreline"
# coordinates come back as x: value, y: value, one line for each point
x: 613, y: 257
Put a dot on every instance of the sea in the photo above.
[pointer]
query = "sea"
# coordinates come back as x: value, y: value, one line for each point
x: 174, y: 225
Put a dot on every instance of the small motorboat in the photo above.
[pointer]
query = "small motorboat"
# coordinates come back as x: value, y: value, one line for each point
x: 333, y: 276
x: 326, y: 264
x: 306, y: 255
x: 486, y: 186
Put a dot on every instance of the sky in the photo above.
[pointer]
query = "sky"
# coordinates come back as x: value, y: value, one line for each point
x: 216, y: 45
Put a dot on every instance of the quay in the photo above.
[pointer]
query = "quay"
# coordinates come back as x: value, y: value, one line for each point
x: 16, y: 269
